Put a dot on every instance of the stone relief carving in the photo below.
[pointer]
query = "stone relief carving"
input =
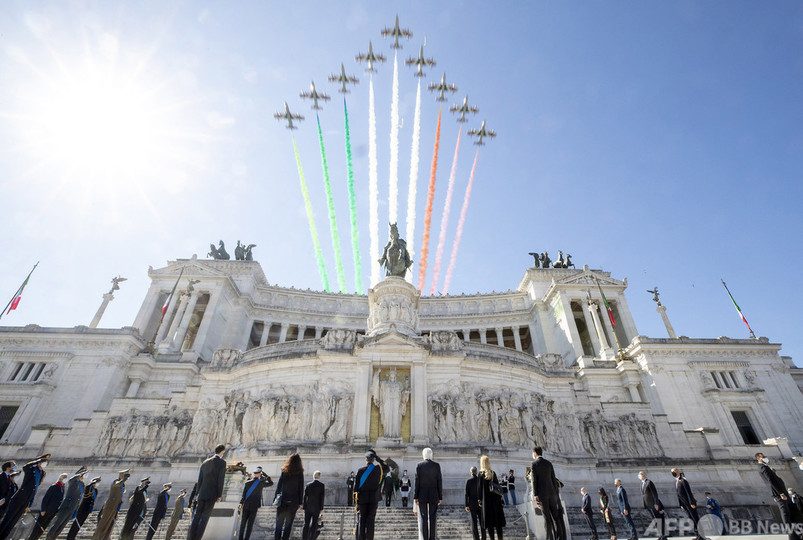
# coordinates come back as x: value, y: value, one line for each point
x: 464, y: 413
x: 706, y: 379
x: 444, y: 340
x: 391, y: 396
x: 226, y: 358
x: 751, y: 377
x: 144, y: 434
x: 339, y: 339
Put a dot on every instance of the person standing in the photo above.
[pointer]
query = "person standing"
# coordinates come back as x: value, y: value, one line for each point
x: 367, y: 495
x: 686, y: 498
x: 624, y: 508
x: 178, y: 512
x: 50, y: 507
x: 313, y: 506
x: 777, y: 488
x: 713, y: 508
x: 251, y: 502
x: 795, y: 505
x: 404, y: 488
x: 605, y: 509
x: 6, y: 485
x: 69, y: 504
x: 109, y: 510
x: 21, y: 499
x: 473, y: 504
x: 160, y: 510
x: 652, y: 503
x: 85, y: 508
x: 588, y: 514
x: 137, y: 506
x: 511, y: 486
x: 209, y: 491
x: 350, y: 487
x: 503, y: 483
x: 289, y: 496
x: 490, y: 500
x: 428, y: 495
x: 388, y: 488
x: 546, y: 492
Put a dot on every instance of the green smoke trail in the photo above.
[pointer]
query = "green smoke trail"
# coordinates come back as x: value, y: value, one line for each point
x: 311, y: 217
x: 355, y: 234
x: 341, y: 278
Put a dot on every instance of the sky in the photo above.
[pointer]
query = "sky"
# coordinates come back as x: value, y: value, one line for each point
x: 658, y: 141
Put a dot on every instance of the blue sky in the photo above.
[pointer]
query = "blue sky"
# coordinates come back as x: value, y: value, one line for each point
x: 659, y: 141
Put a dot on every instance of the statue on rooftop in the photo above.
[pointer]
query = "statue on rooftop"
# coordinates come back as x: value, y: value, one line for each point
x: 243, y: 252
x: 218, y: 253
x: 395, y: 257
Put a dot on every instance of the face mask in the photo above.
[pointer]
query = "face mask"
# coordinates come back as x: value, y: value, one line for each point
x: 641, y: 477
x: 43, y: 464
x: 765, y: 461
x: 674, y: 474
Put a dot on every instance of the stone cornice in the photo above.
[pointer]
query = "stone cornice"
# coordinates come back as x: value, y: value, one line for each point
x: 706, y: 347
x: 32, y: 338
x: 718, y: 364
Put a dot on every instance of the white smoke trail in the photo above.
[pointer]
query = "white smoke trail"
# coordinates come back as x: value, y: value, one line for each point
x: 411, y: 191
x: 445, y: 219
x: 460, y: 225
x: 393, y: 191
x: 373, y: 187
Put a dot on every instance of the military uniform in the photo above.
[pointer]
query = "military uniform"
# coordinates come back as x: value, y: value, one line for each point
x: 250, y: 502
x: 84, y: 509
x: 136, y: 510
x: 159, y: 511
x: 69, y: 505
x: 368, y: 481
x: 178, y: 512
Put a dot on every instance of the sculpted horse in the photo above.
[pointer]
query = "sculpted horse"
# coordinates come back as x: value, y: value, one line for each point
x: 395, y: 257
x: 218, y: 252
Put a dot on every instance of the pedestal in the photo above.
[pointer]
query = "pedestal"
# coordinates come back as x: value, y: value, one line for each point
x: 393, y: 305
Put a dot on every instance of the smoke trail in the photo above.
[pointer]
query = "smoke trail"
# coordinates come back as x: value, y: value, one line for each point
x: 422, y: 266
x: 373, y: 187
x: 355, y: 235
x: 411, y: 191
x: 460, y: 224
x: 393, y: 191
x: 327, y: 185
x: 316, y: 244
x: 445, y: 218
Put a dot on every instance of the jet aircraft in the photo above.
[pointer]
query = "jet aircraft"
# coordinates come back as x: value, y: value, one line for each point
x: 314, y: 95
x: 420, y: 63
x: 370, y: 57
x: 287, y: 115
x: 343, y: 79
x: 396, y: 32
x: 442, y: 87
x: 480, y: 133
x: 463, y: 109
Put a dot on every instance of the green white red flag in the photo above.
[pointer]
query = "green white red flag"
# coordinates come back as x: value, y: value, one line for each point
x: 738, y: 309
x: 170, y: 296
x: 607, y: 305
x: 15, y: 300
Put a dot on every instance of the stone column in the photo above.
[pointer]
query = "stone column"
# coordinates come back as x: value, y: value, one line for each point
x: 548, y: 329
x: 318, y: 332
x: 176, y: 320
x: 419, y: 423
x: 537, y: 340
x: 634, y: 395
x: 108, y: 297
x: 283, y: 333
x: 466, y: 335
x: 171, y: 310
x: 263, y: 340
x: 574, y: 335
x: 483, y: 336
x: 671, y: 331
x: 133, y: 388
x: 517, y: 337
x: 606, y: 352
x: 593, y: 332
x: 499, y: 339
x: 301, y: 330
x: 178, y: 340
x: 206, y: 321
x: 362, y: 405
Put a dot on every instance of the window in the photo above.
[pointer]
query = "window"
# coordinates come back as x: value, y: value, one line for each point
x: 16, y: 372
x: 7, y: 413
x: 38, y: 372
x: 745, y: 427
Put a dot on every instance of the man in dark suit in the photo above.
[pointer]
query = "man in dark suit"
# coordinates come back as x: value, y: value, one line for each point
x: 795, y: 505
x: 624, y: 507
x: 251, y: 501
x: 313, y: 506
x: 50, y: 507
x: 428, y: 495
x: 588, y: 513
x: 686, y: 498
x: 21, y: 499
x: 778, y: 489
x: 546, y: 492
x: 5, y: 485
x: 160, y: 510
x: 210, y: 490
x: 367, y: 490
x: 473, y: 505
x: 652, y: 503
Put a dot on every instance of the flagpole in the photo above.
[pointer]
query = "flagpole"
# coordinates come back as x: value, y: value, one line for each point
x: 620, y: 353
x: 152, y: 343
x: 738, y: 309
x: 19, y: 290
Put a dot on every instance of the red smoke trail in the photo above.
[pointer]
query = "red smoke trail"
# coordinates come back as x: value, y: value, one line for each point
x: 422, y: 266
x: 460, y: 224
x: 447, y: 206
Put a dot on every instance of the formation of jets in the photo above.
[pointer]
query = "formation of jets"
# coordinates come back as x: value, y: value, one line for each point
x: 370, y: 57
x: 463, y: 109
x: 314, y: 95
x: 420, y: 63
x: 442, y: 88
x: 343, y: 79
x: 396, y: 32
x: 480, y: 133
x: 289, y: 116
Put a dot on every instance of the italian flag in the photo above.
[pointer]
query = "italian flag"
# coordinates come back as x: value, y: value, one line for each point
x: 170, y: 296
x: 15, y: 300
x: 607, y: 305
x: 738, y: 309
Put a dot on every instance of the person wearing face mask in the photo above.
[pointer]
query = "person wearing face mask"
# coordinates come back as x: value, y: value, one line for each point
x: 713, y: 508
x: 109, y: 510
x: 69, y: 505
x: 686, y: 498
x: 777, y: 488
x: 5, y: 485
x: 22, y: 499
x: 652, y: 503
x: 795, y: 505
x: 50, y: 507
